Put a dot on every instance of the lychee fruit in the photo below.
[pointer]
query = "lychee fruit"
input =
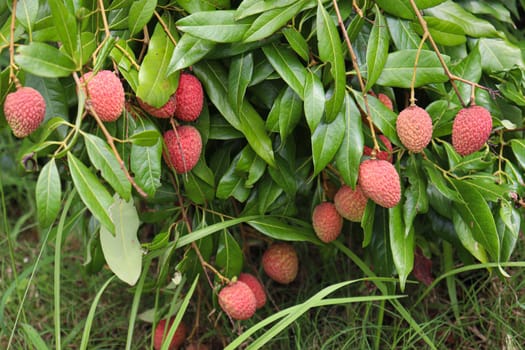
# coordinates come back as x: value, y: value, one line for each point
x: 414, y: 128
x: 165, y: 111
x: 105, y: 94
x: 162, y: 331
x: 237, y: 300
x: 256, y: 287
x: 184, y: 145
x: 386, y: 101
x: 280, y: 262
x: 380, y: 182
x: 190, y: 98
x: 327, y: 222
x: 350, y: 203
x: 384, y: 155
x: 24, y: 111
x: 471, y: 129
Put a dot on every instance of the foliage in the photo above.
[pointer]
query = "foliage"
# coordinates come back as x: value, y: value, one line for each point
x: 287, y: 116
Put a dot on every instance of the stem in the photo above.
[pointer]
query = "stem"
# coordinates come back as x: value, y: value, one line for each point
x: 12, y: 65
x: 165, y: 27
x: 416, y: 60
x: 104, y: 18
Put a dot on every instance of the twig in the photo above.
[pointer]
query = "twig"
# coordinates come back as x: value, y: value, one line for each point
x: 12, y: 65
x: 416, y: 60
x: 104, y: 18
x: 165, y: 27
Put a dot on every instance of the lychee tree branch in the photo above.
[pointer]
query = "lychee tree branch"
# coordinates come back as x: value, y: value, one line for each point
x: 414, y: 74
x: 104, y: 18
x: 12, y: 65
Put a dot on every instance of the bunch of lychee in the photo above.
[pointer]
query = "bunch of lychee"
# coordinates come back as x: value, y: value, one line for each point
x: 24, y: 111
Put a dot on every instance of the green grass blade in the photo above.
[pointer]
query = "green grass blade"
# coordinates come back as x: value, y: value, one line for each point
x: 135, y: 305
x: 34, y: 337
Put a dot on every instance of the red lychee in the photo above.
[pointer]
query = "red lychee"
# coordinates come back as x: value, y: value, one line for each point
x: 471, y: 129
x: 380, y: 182
x: 350, y: 203
x: 256, y: 287
x: 24, y: 111
x: 280, y: 262
x: 190, y: 98
x: 105, y: 94
x: 184, y: 147
x: 162, y: 330
x: 384, y: 155
x: 414, y: 128
x: 237, y: 300
x: 386, y: 101
x: 327, y: 222
x: 166, y: 111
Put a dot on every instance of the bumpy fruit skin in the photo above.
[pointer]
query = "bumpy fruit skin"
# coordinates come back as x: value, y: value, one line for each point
x: 178, y: 338
x: 184, y: 148
x: 166, y: 111
x: 256, y: 287
x: 280, y: 262
x: 350, y: 203
x: 380, y: 182
x: 24, y: 111
x: 471, y: 129
x: 237, y: 300
x: 386, y: 101
x: 327, y: 222
x: 190, y: 98
x: 105, y: 93
x: 414, y: 128
x: 384, y: 155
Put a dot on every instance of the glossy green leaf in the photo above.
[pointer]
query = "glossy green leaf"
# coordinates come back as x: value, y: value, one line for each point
x: 508, y: 223
x: 403, y: 34
x: 285, y: 113
x: 232, y: 184
x: 189, y: 50
x: 105, y: 161
x: 498, y: 55
x: 469, y: 68
x: 283, y: 175
x: 271, y: 21
x: 518, y: 148
x: 126, y: 66
x: 122, y: 250
x: 297, y: 42
x: 377, y: 49
x: 443, y: 32
x: 145, y: 138
x: 27, y: 13
x: 94, y: 195
x: 383, y: 117
x: 253, y: 7
x: 399, y: 69
x: 416, y: 199
x: 250, y: 163
x: 48, y: 194
x: 229, y: 257
x: 349, y: 155
x: 44, y: 60
x: 192, y: 6
x: 266, y: 194
x: 402, y: 240
x: 146, y: 162
x: 66, y: 27
x: 34, y: 337
x: 399, y: 8
x: 464, y: 233
x: 494, y: 9
x: 288, y: 66
x: 218, y: 26
x: 330, y: 50
x: 140, y: 13
x: 314, y: 100
x: 155, y: 86
x: 326, y: 140
x: 285, y: 229
x: 239, y: 77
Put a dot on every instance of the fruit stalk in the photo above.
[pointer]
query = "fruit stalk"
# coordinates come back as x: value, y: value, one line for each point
x: 12, y: 65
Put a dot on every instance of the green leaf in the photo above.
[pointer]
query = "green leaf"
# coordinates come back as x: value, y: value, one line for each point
x: 253, y: 7
x: 218, y: 26
x: 400, y: 8
x: 494, y: 9
x: 239, y: 77
x: 34, y: 337
x: 192, y: 6
x: 297, y: 42
x: 288, y: 66
x: 140, y: 13
x: 498, y: 55
x: 377, y: 49
x: 416, y: 200
x: 508, y: 223
x: 285, y: 113
x: 470, y: 69
x: 122, y: 250
x: 146, y: 161
x: 155, y: 86
x: 443, y: 32
x: 145, y: 138
x: 314, y: 100
x: 250, y: 163
x: 91, y: 191
x: 48, y: 193
x: 44, y: 60
x: 399, y: 69
x: 284, y: 175
x: 66, y: 27
x: 285, y: 229
x: 518, y: 148
x: 349, y: 155
x: 403, y: 34
x: 126, y: 66
x: 229, y: 257
x: 467, y: 239
x: 401, y: 244
x: 232, y: 184
x: 189, y: 50
x: 271, y: 21
x: 330, y: 50
x: 326, y: 141
x: 105, y: 161
x: 383, y: 117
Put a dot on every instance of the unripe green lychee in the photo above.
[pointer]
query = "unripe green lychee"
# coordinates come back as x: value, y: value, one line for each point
x: 24, y: 111
x: 414, y: 128
x: 165, y: 111
x: 105, y: 94
x: 256, y: 287
x: 184, y: 145
x: 162, y: 330
x: 384, y: 155
x: 350, y: 203
x: 380, y: 182
x: 471, y: 129
x: 327, y: 222
x: 280, y: 262
x: 190, y: 98
x: 237, y: 300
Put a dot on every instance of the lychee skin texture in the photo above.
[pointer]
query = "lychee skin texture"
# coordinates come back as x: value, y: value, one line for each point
x: 471, y: 129
x: 237, y: 300
x: 166, y: 111
x: 380, y: 182
x: 24, y: 111
x: 105, y: 93
x: 280, y: 262
x: 178, y: 337
x: 386, y: 101
x: 350, y: 203
x: 327, y: 222
x: 414, y: 128
x: 190, y: 98
x: 184, y: 148
x: 256, y: 287
x: 384, y: 155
